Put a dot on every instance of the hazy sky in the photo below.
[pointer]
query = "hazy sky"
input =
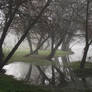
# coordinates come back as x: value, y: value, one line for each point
x: 11, y: 40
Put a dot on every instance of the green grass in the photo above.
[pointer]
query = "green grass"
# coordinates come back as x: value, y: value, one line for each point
x: 76, y: 65
x: 76, y: 90
x: 34, y: 59
x: 86, y: 72
x: 9, y: 84
x: 57, y: 54
x: 41, y: 52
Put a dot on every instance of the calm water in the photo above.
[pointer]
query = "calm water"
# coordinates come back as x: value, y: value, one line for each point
x: 20, y: 69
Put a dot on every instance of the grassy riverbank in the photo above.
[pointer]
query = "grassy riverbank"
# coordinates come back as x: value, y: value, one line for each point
x: 34, y: 59
x: 9, y: 84
x: 86, y: 72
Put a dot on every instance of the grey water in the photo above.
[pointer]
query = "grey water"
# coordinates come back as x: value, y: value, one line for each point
x: 20, y: 69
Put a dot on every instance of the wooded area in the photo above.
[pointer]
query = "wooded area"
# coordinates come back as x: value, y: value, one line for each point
x: 49, y: 27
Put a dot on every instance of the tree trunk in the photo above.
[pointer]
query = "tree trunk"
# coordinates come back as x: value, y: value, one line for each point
x: 48, y: 45
x: 62, y: 76
x: 51, y: 54
x: 30, y: 43
x: 53, y: 76
x: 8, y: 22
x: 38, y: 47
x: 54, y: 49
x: 1, y: 55
x: 82, y: 64
x: 24, y: 35
x: 44, y: 76
x: 27, y: 78
x: 66, y: 42
x: 52, y: 42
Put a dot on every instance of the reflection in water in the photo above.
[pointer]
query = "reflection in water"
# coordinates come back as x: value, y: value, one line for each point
x: 46, y: 74
x: 28, y: 75
x: 20, y: 70
x: 17, y: 69
x: 34, y: 73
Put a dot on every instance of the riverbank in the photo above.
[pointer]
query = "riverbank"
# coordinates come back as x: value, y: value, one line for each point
x: 83, y: 73
x: 40, y: 59
x: 9, y: 84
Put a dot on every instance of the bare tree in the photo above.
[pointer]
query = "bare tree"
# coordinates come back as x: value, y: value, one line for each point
x: 24, y: 35
x: 88, y: 32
